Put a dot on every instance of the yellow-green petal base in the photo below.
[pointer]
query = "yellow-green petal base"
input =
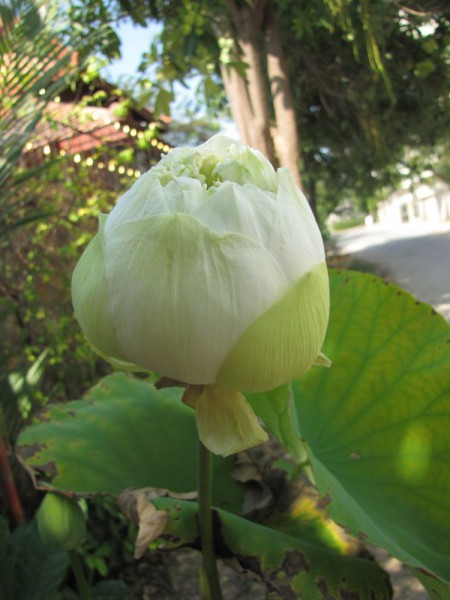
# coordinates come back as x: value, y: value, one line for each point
x: 225, y: 420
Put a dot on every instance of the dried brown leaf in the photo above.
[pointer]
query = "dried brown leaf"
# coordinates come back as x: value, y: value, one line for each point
x: 151, y: 522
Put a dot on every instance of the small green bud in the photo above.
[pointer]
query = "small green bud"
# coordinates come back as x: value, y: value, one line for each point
x: 61, y: 522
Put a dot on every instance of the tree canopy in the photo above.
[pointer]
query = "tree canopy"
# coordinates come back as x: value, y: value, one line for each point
x: 338, y: 91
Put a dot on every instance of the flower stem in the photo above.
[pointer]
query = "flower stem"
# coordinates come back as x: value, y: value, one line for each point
x: 209, y: 576
x: 80, y: 578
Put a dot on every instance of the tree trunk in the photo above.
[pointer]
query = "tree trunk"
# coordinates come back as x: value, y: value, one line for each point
x: 285, y: 131
x: 247, y: 21
x: 237, y: 93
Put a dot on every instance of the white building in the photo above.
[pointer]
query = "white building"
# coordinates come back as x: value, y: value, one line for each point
x: 416, y: 202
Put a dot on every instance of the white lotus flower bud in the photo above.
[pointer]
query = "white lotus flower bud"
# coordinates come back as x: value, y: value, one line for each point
x: 210, y: 271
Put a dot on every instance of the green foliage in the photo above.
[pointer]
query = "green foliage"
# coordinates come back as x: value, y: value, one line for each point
x: 172, y: 56
x: 31, y: 570
x: 162, y: 102
x: 191, y: 132
x: 118, y: 424
x: 34, y: 570
x: 375, y: 427
x: 90, y: 23
x: 109, y: 542
x: 354, y: 128
x: 23, y: 385
x: 110, y: 590
x: 347, y: 223
x: 36, y: 64
x: 368, y: 83
x: 21, y: 104
x: 7, y: 560
x: 376, y: 423
x: 36, y: 261
x: 287, y: 565
x: 35, y: 280
x: 17, y: 390
x: 370, y: 80
x: 435, y: 588
x: 442, y: 168
x: 276, y: 410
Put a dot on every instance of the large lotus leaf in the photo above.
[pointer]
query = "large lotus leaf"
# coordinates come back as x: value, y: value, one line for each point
x: 436, y: 589
x: 377, y: 422
x: 288, y: 566
x: 123, y: 434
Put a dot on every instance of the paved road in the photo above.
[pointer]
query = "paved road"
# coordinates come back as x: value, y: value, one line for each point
x: 416, y: 257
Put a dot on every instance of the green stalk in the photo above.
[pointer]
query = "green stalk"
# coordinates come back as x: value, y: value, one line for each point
x: 209, y: 576
x: 80, y: 578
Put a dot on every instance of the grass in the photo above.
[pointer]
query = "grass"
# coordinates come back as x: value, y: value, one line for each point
x: 347, y: 223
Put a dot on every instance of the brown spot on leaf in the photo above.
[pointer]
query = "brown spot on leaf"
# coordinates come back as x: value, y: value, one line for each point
x: 30, y: 450
x: 321, y: 584
x: 44, y: 416
x: 429, y: 574
x: 349, y: 595
x: 49, y: 470
x: 324, y: 501
x: 433, y: 312
x: 276, y: 581
x: 294, y: 563
x: 285, y: 591
x: 346, y: 528
x: 250, y: 562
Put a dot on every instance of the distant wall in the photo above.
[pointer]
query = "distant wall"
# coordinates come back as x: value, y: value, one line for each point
x: 419, y: 203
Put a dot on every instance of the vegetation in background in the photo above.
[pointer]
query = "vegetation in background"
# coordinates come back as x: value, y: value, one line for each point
x: 367, y: 83
x: 362, y: 83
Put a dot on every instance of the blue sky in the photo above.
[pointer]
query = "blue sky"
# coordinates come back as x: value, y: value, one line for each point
x: 135, y: 41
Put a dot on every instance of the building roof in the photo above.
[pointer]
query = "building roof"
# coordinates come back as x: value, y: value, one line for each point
x: 73, y: 125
